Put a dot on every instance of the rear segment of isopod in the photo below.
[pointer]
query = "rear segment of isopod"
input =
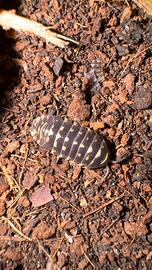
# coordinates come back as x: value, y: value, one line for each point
x: 70, y: 141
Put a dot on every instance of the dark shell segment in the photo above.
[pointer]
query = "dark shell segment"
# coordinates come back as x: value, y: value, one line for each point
x: 70, y: 140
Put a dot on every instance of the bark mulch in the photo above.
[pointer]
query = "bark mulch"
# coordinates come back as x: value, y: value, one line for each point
x: 57, y: 215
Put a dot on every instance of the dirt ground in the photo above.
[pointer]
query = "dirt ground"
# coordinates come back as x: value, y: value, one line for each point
x: 59, y: 215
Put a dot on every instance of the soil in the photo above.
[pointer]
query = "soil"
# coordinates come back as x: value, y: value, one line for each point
x: 57, y: 215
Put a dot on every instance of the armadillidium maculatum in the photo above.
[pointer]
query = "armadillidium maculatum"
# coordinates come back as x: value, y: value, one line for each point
x: 70, y: 141
x: 95, y: 75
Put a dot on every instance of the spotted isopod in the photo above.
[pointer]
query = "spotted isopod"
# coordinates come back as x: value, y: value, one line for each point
x: 70, y: 141
x: 95, y: 75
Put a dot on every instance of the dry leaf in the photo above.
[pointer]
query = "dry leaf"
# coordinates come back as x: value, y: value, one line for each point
x: 41, y: 196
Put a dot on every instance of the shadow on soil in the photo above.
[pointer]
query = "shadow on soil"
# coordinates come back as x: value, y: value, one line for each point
x: 9, y: 70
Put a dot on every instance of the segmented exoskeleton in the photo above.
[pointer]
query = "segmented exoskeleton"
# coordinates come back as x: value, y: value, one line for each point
x: 95, y: 75
x: 70, y: 141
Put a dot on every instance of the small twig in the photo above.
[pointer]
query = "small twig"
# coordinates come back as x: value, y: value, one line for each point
x: 14, y: 238
x: 10, y: 180
x: 134, y: 237
x: 102, y: 206
x: 16, y: 230
x: 46, y: 253
x: 106, y: 174
x: 15, y: 201
x: 87, y: 257
x: 30, y: 159
x: 111, y: 224
x: 98, y: 176
x: 57, y: 248
x: 32, y: 213
x: 17, y: 223
x: 74, y: 207
x: 9, y: 20
x: 127, y: 3
x: 129, y: 193
x: 133, y: 57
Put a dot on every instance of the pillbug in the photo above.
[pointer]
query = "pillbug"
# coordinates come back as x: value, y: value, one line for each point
x: 95, y: 75
x: 70, y: 141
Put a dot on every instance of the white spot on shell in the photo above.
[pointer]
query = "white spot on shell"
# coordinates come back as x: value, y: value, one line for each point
x: 58, y: 136
x: 50, y: 132
x: 98, y: 153
x: 90, y: 149
x: 61, y: 128
x: 81, y: 145
x: 66, y: 139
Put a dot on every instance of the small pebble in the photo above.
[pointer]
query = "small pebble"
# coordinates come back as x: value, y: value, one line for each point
x: 58, y: 64
x: 122, y: 50
x: 143, y: 98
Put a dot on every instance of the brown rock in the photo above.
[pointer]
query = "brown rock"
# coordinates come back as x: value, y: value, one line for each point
x: 3, y: 187
x: 143, y: 98
x: 58, y: 82
x: 61, y: 260
x: 150, y: 203
x: 150, y: 238
x: 49, y: 179
x: 97, y: 125
x: 28, y: 226
x: 83, y: 264
x: 13, y: 254
x: 24, y: 201
x: 102, y: 258
x: 58, y: 64
x: 135, y: 229
x: 124, y: 139
x: 48, y: 73
x: 12, y: 146
x: 44, y: 100
x: 122, y: 97
x: 146, y: 187
x: 43, y: 230
x: 76, y: 246
x: 126, y: 14
x: 111, y: 132
x: 76, y: 172
x: 78, y: 109
x: 148, y: 217
x: 29, y: 180
x: 129, y: 83
x: 3, y: 228
x: 2, y: 207
x: 149, y: 256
